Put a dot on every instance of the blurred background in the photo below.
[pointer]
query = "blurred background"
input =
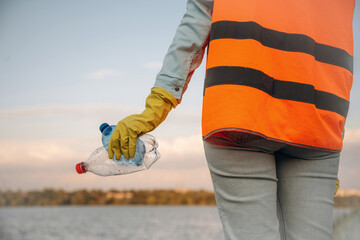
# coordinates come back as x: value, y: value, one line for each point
x: 68, y: 66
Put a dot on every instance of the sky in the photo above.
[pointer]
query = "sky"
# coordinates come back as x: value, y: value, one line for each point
x: 68, y: 66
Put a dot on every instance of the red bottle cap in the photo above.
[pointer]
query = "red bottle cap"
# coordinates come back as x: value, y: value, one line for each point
x: 80, y: 168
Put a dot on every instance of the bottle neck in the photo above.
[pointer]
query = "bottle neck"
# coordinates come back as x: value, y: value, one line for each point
x: 80, y: 168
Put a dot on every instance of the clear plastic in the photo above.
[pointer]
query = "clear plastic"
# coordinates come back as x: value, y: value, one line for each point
x: 100, y: 164
x: 106, y: 131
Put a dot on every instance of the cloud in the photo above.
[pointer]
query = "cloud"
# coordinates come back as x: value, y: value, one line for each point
x: 105, y: 73
x: 179, y: 117
x: 352, y: 136
x: 153, y: 65
x: 183, y: 145
x: 182, y: 153
x: 152, y: 178
x: 66, y: 110
x: 51, y: 163
x: 38, y: 154
x: 36, y: 164
x: 59, y: 121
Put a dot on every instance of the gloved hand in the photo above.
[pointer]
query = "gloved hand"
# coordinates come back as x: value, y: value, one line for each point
x: 123, y: 139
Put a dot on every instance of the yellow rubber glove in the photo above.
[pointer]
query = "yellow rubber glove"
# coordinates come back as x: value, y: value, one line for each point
x: 123, y: 139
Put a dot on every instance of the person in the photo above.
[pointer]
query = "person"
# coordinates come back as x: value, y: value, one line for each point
x: 276, y: 95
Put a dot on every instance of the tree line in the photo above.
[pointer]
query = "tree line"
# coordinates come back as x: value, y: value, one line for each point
x: 347, y: 201
x: 59, y: 197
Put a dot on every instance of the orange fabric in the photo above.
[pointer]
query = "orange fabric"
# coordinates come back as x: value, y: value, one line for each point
x: 241, y: 108
x: 252, y: 110
x: 326, y: 21
x: 281, y: 65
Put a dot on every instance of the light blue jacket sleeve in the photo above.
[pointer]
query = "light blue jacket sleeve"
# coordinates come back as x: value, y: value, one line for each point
x: 187, y: 49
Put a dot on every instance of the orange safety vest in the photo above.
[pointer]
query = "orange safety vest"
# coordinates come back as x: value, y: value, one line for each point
x: 281, y: 70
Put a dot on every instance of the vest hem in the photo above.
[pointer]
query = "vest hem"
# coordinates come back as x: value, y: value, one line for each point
x: 213, y: 133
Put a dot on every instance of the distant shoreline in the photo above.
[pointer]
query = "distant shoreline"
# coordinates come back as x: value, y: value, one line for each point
x: 156, y: 197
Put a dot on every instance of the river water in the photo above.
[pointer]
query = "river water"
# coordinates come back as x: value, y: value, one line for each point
x: 121, y: 222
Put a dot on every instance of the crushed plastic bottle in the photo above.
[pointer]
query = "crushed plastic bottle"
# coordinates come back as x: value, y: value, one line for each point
x: 99, y: 163
x: 106, y: 131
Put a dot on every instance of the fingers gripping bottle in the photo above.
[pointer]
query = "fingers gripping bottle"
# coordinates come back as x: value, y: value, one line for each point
x: 106, y: 131
x: 99, y: 163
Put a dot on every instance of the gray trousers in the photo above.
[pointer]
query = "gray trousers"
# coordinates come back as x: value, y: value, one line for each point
x: 273, y: 191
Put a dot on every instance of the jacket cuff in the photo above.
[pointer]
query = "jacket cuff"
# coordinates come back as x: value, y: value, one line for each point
x: 165, y: 95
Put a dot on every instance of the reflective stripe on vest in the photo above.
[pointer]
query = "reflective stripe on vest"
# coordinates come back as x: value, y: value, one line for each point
x: 280, y: 69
